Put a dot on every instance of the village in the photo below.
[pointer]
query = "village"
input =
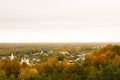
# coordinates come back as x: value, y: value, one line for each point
x: 42, y: 57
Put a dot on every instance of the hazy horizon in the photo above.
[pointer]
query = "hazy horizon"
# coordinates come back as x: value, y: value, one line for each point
x: 36, y: 21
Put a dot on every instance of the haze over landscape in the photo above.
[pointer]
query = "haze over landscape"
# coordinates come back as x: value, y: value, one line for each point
x: 59, y: 21
x: 59, y: 39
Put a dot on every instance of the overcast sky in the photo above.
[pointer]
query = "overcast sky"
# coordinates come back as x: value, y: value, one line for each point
x: 59, y: 21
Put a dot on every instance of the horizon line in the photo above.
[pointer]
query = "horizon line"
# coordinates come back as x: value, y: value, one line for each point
x: 54, y: 42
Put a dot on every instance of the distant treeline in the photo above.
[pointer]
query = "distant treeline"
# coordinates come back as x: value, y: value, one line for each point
x: 28, y: 48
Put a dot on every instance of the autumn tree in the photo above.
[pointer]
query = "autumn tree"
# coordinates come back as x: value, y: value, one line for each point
x: 65, y: 62
x: 3, y: 75
x: 115, y: 61
x: 51, y: 61
x: 40, y: 67
x: 28, y: 74
x: 12, y: 67
x: 12, y: 77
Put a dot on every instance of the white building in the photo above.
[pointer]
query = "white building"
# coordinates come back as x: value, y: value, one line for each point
x: 12, y: 57
x: 64, y: 53
x: 26, y: 60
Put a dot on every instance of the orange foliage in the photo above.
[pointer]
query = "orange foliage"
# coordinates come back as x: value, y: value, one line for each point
x: 51, y: 61
x: 64, y: 62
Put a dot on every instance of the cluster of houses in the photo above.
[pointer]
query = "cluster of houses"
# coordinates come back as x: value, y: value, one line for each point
x: 25, y: 59
x: 75, y: 57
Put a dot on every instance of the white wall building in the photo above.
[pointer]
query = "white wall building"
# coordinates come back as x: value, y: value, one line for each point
x: 12, y: 57
x: 26, y: 60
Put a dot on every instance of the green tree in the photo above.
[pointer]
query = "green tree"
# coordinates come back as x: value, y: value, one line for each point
x: 11, y: 77
x: 109, y: 73
x: 3, y: 75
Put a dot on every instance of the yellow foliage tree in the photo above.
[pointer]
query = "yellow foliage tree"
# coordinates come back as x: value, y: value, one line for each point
x: 39, y: 67
x: 116, y: 61
x: 64, y: 62
x: 28, y: 73
x: 51, y: 61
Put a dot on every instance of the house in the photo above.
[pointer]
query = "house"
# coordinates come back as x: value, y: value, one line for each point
x: 34, y: 60
x: 70, y: 62
x: 64, y: 53
x: 3, y: 57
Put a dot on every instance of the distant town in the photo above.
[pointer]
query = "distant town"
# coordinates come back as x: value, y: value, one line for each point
x: 35, y: 57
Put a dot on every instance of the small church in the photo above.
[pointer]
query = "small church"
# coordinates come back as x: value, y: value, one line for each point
x: 12, y: 57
